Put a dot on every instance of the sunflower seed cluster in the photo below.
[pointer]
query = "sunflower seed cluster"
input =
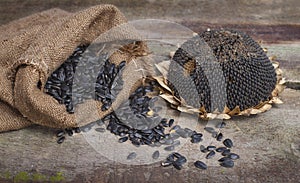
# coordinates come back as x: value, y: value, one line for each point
x: 133, y: 123
x: 246, y: 74
x: 96, y: 78
x: 136, y: 120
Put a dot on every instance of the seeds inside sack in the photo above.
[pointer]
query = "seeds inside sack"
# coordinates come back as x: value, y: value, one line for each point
x: 100, y: 81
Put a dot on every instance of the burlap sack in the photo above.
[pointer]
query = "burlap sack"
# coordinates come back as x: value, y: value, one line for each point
x: 33, y: 47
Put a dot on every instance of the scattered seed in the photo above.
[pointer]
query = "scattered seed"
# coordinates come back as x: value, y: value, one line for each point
x: 171, y: 122
x: 226, y: 152
x: 176, y: 155
x: 177, y: 165
x: 123, y: 139
x: 233, y: 156
x: 60, y: 133
x: 228, y: 143
x: 100, y: 130
x: 210, y: 154
x: 169, y: 148
x: 182, y: 133
x: 200, y: 164
x: 228, y: 163
x: 155, y: 155
x: 221, y: 149
x: 181, y: 160
x: 61, y: 139
x: 196, y: 138
x: 223, y: 159
x: 85, y: 129
x: 209, y: 129
x: 131, y: 156
x: 211, y: 148
x: 171, y: 157
x: 219, y: 137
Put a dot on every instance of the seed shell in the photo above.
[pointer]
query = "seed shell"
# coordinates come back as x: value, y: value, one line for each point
x: 155, y: 155
x: 228, y: 143
x: 61, y: 139
x: 200, y: 164
x: 131, y: 156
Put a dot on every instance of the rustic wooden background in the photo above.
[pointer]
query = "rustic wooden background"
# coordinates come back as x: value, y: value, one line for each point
x: 269, y: 143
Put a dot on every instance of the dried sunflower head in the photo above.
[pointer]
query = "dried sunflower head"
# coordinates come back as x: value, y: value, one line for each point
x: 221, y: 71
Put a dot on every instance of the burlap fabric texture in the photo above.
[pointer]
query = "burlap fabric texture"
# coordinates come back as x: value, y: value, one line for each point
x: 33, y: 47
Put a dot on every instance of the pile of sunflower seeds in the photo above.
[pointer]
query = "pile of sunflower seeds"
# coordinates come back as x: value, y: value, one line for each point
x: 137, y: 119
x: 99, y: 79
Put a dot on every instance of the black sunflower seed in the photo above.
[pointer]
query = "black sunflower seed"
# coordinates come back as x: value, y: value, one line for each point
x: 228, y: 163
x: 171, y: 157
x: 131, y: 156
x: 176, y: 154
x: 233, y: 156
x: 181, y: 160
x: 169, y: 148
x: 85, y: 129
x: 228, y: 143
x: 100, y: 130
x: 209, y: 129
x: 210, y: 154
x: 221, y: 149
x: 61, y: 139
x: 155, y: 155
x: 177, y: 165
x: 182, y: 133
x: 196, y: 138
x: 60, y: 133
x: 123, y: 139
x: 171, y: 122
x: 223, y: 159
x: 200, y: 164
x: 219, y: 137
x: 211, y: 148
x: 226, y: 152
